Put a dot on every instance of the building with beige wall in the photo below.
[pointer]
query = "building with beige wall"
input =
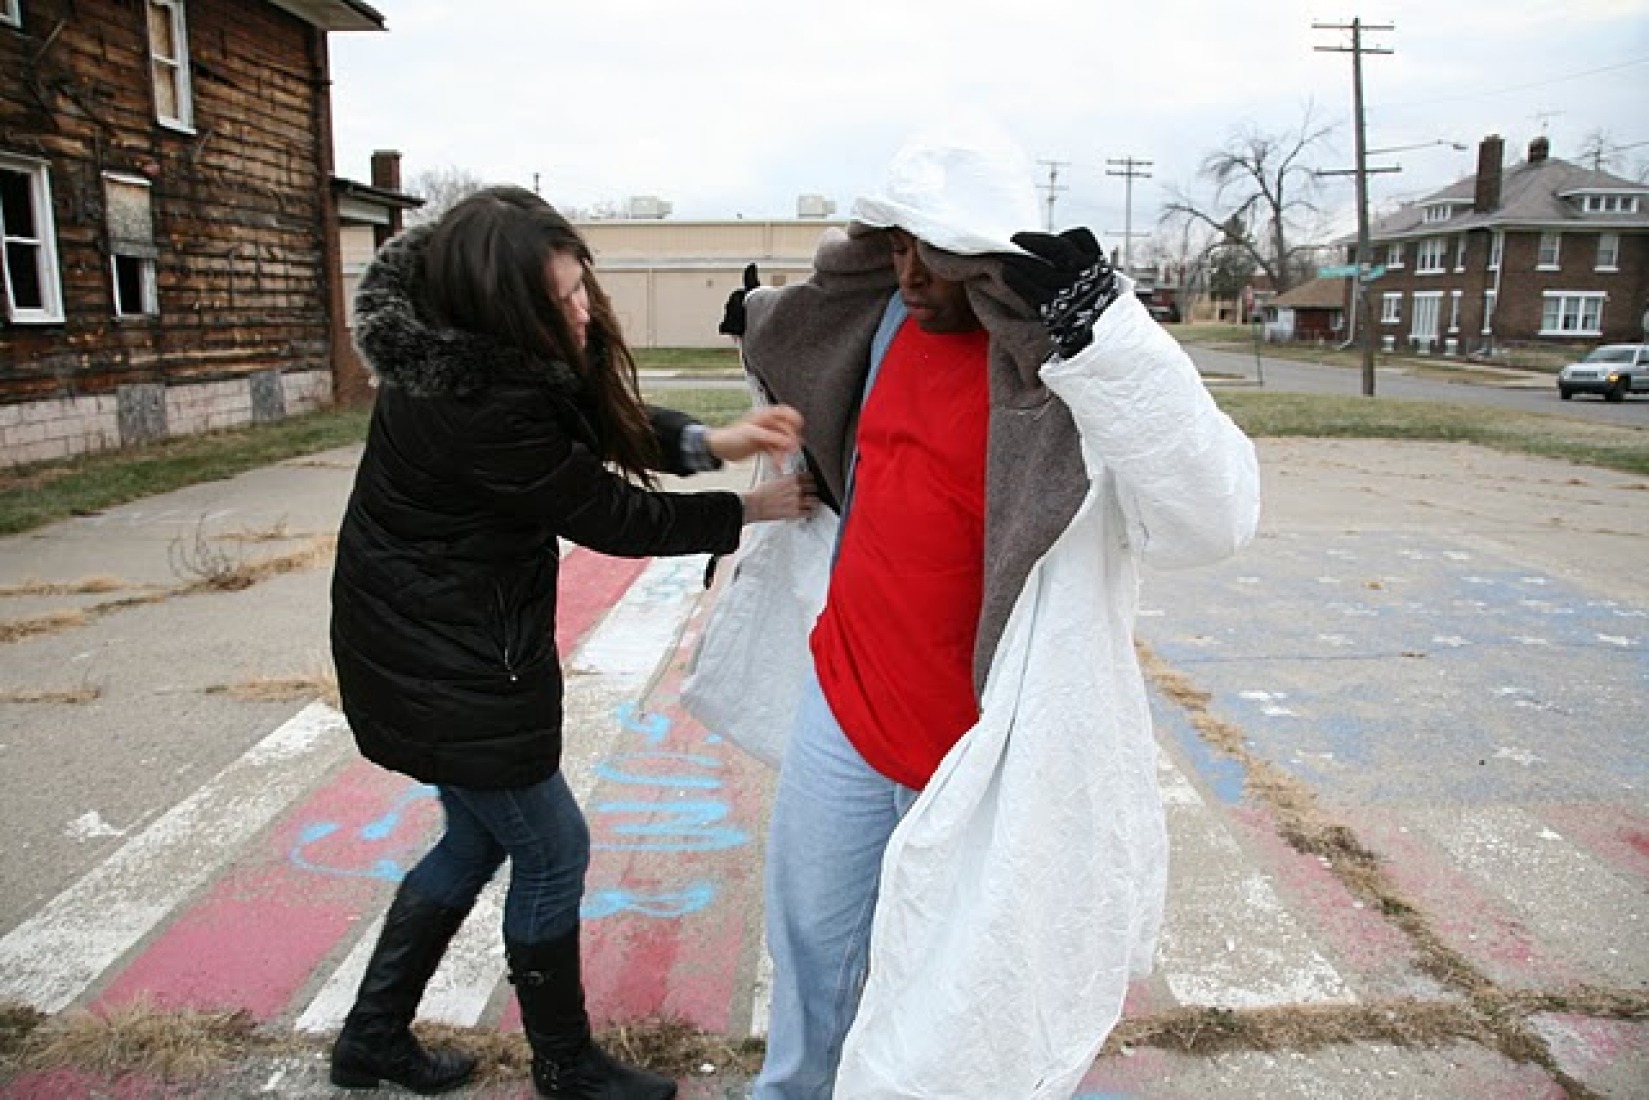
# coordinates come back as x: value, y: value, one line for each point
x: 670, y: 279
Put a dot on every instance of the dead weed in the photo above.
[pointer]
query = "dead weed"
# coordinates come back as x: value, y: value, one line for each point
x: 139, y: 1038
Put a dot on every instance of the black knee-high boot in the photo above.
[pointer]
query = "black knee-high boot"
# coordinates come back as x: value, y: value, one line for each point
x: 567, y: 1064
x: 376, y: 1043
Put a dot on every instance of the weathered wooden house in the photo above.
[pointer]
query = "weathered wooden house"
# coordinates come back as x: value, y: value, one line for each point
x: 169, y: 218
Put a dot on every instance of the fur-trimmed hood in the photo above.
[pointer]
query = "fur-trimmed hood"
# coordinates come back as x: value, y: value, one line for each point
x: 402, y: 346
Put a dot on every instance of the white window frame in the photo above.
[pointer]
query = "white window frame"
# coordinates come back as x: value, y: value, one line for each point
x: 1428, y: 310
x: 1394, y: 256
x: 1497, y: 249
x: 1439, y: 212
x: 1454, y: 309
x: 11, y: 11
x: 1608, y: 252
x: 1489, y: 299
x: 177, y: 67
x: 1431, y: 257
x: 1460, y: 252
x: 139, y: 254
x: 44, y: 240
x: 1555, y: 241
x: 1572, y: 313
x: 1391, y: 308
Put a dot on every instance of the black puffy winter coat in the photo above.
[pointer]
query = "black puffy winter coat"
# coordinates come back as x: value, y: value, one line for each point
x: 477, y: 461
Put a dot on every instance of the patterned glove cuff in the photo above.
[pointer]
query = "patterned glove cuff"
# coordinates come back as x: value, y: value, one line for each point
x: 1071, y: 315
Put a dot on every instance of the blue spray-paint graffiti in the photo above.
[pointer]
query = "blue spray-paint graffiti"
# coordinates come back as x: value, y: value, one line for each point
x: 617, y: 770
x: 686, y: 827
x: 380, y: 830
x: 667, y: 905
x: 654, y: 727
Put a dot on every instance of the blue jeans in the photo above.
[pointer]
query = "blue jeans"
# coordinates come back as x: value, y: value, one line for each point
x: 543, y: 832
x: 832, y: 818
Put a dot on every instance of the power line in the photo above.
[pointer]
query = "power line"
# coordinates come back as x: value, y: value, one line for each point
x: 1363, y: 296
x: 1130, y: 172
x: 1511, y: 88
x: 1053, y: 186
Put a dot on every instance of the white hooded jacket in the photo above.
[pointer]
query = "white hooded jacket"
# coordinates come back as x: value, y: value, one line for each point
x: 1025, y: 887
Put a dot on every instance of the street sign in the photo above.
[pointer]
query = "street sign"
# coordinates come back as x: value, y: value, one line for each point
x: 1346, y: 271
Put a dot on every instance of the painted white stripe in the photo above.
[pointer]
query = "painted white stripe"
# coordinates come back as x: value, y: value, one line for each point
x: 761, y: 1002
x: 1568, y: 899
x: 1228, y: 941
x: 54, y: 956
x: 616, y: 664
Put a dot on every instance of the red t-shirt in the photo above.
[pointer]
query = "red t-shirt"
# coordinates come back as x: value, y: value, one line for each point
x: 894, y: 644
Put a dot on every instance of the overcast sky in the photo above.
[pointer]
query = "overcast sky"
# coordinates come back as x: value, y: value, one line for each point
x: 734, y: 108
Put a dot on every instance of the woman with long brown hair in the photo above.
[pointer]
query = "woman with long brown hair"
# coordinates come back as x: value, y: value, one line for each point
x: 508, y: 417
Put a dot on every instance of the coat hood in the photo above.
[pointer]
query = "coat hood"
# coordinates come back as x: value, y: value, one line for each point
x: 964, y: 187
x: 404, y: 347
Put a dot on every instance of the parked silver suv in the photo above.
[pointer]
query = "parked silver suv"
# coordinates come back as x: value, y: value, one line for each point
x: 1613, y: 370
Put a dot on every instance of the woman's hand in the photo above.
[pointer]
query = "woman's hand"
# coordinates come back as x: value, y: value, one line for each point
x: 788, y: 497
x: 775, y: 430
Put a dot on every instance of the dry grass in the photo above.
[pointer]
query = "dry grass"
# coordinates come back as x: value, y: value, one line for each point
x: 276, y: 532
x: 14, y: 630
x: 212, y: 570
x: 1206, y: 1031
x: 88, y: 586
x: 138, y: 1038
x: 320, y: 684
x: 76, y: 697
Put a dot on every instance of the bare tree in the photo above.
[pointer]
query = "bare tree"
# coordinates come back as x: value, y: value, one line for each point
x: 1263, y: 200
x: 441, y: 189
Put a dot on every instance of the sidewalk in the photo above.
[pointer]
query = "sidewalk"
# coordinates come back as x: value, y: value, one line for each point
x: 1419, y: 657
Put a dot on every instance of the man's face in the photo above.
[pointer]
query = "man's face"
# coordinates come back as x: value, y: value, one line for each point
x: 938, y: 305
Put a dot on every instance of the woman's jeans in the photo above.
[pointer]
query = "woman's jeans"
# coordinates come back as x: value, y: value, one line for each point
x: 542, y: 831
x: 831, y: 821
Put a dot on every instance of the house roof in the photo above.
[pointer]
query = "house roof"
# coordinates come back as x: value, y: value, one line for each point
x: 1317, y: 294
x: 1531, y: 197
x: 334, y: 15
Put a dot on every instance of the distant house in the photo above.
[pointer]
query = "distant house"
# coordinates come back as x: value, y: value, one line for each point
x: 1311, y: 311
x: 169, y: 217
x: 1542, y: 252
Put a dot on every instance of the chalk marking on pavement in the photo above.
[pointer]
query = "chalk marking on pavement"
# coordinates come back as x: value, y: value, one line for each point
x: 1228, y: 941
x: 614, y: 665
x: 1569, y: 899
x: 54, y: 956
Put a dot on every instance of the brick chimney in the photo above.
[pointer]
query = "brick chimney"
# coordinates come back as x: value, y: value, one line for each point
x: 386, y: 176
x: 1489, y: 153
x: 1539, y: 149
x: 386, y: 170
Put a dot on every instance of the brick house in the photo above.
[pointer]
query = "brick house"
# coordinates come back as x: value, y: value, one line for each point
x: 169, y: 217
x: 1545, y: 252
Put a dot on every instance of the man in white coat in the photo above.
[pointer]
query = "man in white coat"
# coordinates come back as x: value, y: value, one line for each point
x: 967, y: 858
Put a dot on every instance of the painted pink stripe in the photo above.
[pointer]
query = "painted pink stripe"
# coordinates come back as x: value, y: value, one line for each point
x: 253, y: 942
x: 1372, y: 954
x: 591, y: 584
x: 684, y: 968
x: 67, y: 1084
x: 1617, y: 834
x: 256, y: 938
x: 1465, y: 917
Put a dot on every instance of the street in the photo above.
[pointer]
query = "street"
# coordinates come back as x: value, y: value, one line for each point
x: 1402, y: 752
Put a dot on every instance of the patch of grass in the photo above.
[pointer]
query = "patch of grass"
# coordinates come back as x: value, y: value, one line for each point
x: 17, y: 1023
x: 714, y: 406
x: 719, y: 359
x: 35, y: 495
x: 320, y: 684
x: 1327, y: 416
x: 87, y: 586
x: 138, y: 1038
x: 77, y: 697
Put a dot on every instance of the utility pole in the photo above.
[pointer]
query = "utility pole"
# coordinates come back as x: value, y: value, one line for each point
x: 1130, y: 171
x: 1364, y: 297
x: 1053, y: 186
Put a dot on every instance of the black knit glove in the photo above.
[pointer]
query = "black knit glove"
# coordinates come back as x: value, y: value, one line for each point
x: 732, y: 315
x: 1067, y: 279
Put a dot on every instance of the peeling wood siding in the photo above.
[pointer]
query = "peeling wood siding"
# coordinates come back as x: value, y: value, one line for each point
x: 241, y: 274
